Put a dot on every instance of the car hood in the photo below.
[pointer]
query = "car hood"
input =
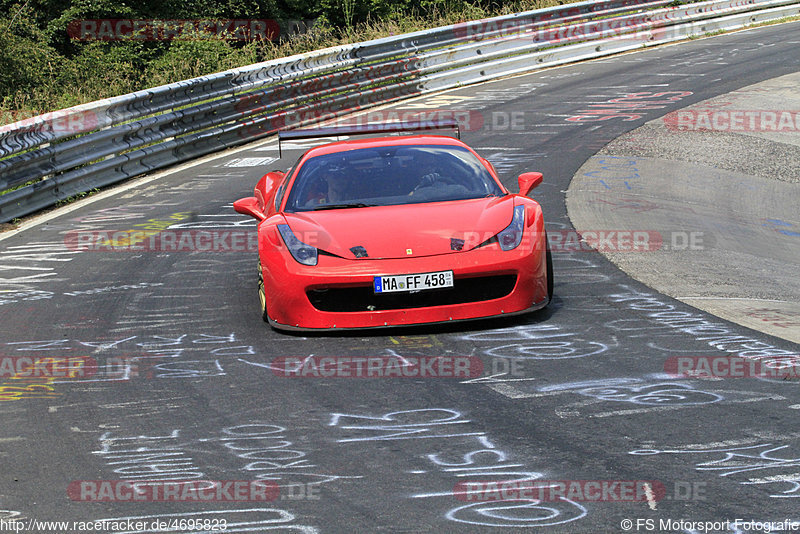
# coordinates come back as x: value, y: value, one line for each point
x: 404, y: 231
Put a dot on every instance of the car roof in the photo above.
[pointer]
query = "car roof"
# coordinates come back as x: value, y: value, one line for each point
x: 373, y: 142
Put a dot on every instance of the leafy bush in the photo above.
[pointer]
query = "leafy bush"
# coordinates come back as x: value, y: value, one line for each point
x: 42, y: 69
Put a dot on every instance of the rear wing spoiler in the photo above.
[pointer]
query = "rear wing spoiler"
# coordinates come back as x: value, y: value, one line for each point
x: 366, y: 129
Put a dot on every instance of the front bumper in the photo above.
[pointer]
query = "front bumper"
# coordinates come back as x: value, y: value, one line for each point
x: 288, y: 285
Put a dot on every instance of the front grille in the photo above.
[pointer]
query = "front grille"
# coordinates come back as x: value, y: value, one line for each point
x: 359, y: 299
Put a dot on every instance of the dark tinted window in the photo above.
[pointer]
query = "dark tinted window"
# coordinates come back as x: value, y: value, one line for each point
x: 390, y: 176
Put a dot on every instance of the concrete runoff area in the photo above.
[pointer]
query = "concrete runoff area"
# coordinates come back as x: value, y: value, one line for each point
x: 718, y: 183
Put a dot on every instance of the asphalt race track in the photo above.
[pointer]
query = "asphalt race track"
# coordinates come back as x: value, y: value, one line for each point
x: 720, y: 212
x: 179, y: 381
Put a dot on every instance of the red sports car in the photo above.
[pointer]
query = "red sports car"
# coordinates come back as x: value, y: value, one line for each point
x: 393, y: 231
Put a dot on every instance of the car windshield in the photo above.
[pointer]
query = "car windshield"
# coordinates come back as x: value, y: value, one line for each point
x: 392, y: 175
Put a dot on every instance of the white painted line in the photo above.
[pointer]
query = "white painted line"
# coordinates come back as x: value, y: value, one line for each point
x: 730, y: 298
x: 249, y: 162
x: 794, y: 477
x: 512, y: 392
x: 482, y: 378
x: 648, y: 492
x: 643, y: 410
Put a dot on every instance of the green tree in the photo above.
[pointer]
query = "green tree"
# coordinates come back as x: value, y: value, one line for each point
x: 27, y: 62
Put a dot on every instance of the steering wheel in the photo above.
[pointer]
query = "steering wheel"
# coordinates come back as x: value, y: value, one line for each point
x: 430, y: 180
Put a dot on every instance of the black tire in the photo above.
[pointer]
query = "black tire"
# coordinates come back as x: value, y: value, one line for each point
x: 549, y: 261
x: 262, y: 294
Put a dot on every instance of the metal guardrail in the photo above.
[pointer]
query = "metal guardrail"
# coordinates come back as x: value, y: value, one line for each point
x: 103, y: 142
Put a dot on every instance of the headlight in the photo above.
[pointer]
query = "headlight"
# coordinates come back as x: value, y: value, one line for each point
x: 511, y: 237
x: 305, y: 254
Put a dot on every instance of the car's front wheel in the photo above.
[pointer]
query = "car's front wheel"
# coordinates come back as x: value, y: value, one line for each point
x: 262, y: 294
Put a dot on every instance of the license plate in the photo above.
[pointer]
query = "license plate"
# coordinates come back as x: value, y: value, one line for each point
x: 413, y: 282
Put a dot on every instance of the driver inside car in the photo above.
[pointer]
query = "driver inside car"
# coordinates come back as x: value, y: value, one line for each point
x: 333, y: 187
x: 430, y: 172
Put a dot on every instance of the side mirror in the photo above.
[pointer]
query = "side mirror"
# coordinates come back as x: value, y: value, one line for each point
x: 529, y: 181
x: 249, y: 206
x: 267, y: 185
